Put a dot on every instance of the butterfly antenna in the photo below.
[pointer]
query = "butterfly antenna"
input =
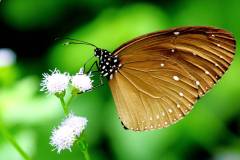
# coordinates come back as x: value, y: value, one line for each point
x: 75, y: 41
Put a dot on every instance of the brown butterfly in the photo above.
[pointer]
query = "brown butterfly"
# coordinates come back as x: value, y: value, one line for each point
x: 156, y: 78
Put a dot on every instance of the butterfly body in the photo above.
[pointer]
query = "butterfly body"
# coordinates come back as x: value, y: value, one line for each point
x: 108, y: 63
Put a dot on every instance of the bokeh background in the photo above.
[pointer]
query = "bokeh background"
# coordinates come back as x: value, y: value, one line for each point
x: 28, y: 48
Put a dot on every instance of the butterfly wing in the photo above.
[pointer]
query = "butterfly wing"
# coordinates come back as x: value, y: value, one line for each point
x: 164, y: 73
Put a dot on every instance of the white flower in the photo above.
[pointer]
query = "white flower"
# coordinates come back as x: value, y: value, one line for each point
x: 56, y: 82
x: 66, y: 134
x: 62, y: 138
x: 81, y: 81
x: 77, y: 123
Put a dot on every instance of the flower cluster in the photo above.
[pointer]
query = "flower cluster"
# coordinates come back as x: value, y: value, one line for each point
x: 57, y: 82
x: 64, y: 136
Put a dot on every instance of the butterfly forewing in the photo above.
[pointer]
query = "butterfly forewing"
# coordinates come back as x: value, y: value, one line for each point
x: 164, y: 73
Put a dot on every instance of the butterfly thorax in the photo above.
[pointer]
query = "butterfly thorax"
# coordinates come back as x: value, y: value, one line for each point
x: 108, y: 63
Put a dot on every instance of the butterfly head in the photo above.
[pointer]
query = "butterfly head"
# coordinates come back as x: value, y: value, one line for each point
x: 108, y: 63
x: 97, y: 52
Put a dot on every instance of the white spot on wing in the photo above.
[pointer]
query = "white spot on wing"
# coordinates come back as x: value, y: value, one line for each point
x: 176, y: 33
x: 181, y: 94
x: 207, y: 72
x: 197, y: 83
x: 176, y: 78
x: 162, y: 65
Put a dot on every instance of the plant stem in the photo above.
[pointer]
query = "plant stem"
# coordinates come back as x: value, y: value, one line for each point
x: 64, y: 105
x: 84, y: 148
x: 69, y: 100
x: 9, y: 137
x: 86, y: 154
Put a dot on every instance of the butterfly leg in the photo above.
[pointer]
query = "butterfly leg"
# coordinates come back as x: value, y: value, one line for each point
x: 90, y: 69
x: 100, y: 76
x: 98, y: 72
x: 100, y: 84
x: 84, y: 66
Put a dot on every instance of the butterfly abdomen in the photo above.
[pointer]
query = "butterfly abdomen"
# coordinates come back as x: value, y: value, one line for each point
x: 108, y: 64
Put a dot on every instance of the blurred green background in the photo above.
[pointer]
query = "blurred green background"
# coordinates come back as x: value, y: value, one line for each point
x: 28, y: 27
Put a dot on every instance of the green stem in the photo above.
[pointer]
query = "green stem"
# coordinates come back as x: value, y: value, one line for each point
x: 86, y: 155
x: 84, y: 147
x: 64, y: 105
x: 69, y: 100
x: 9, y: 137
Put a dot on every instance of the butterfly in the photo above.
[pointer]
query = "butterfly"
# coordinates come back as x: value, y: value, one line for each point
x: 156, y: 79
